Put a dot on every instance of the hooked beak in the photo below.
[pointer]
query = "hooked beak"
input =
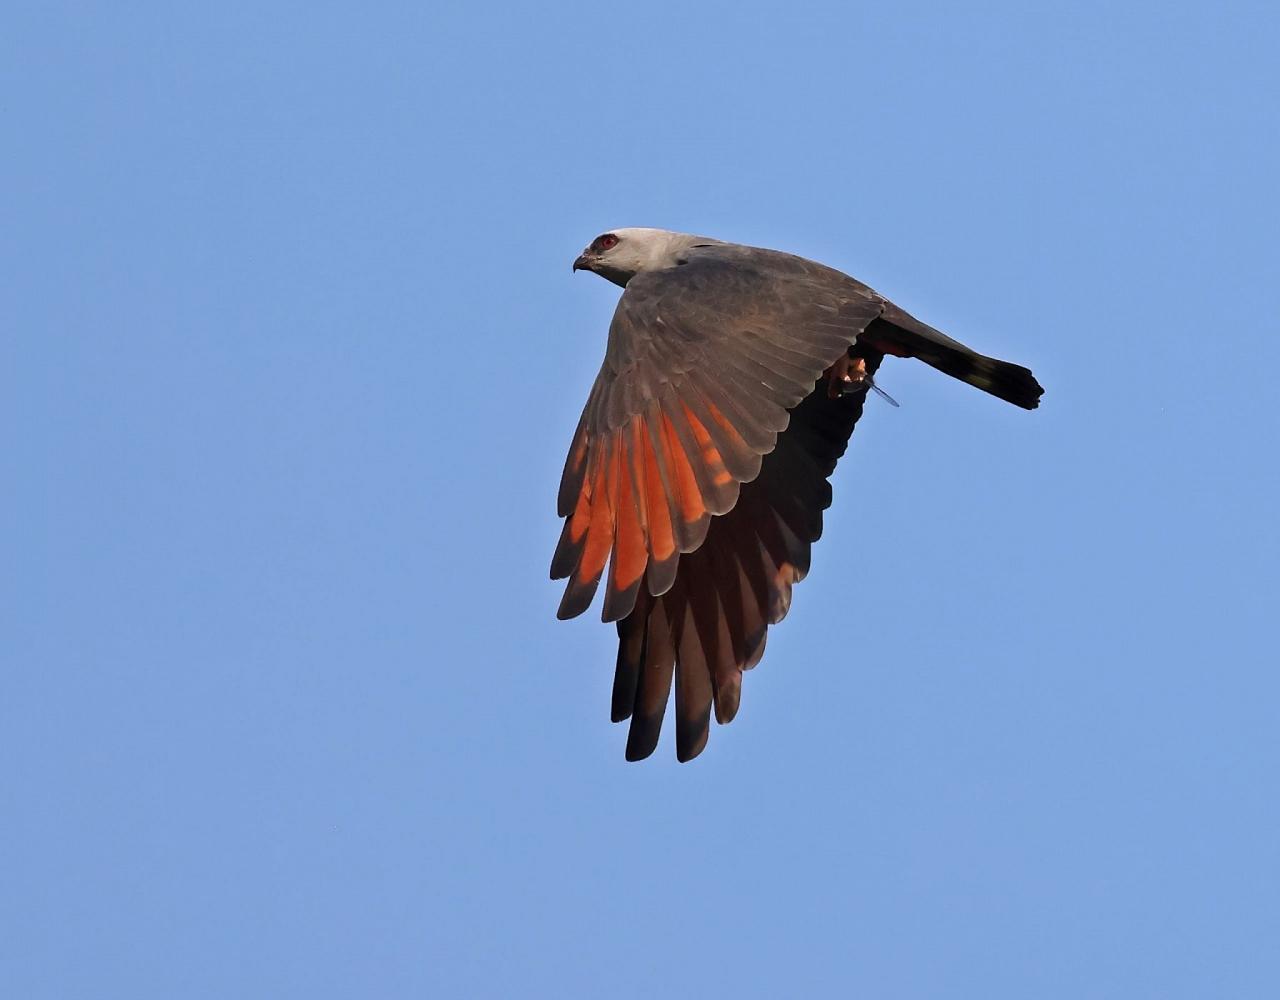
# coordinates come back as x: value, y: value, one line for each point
x: 583, y: 263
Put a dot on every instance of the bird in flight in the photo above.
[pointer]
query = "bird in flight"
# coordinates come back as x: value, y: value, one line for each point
x: 731, y: 382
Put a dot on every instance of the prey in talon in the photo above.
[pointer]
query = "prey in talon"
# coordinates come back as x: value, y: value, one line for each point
x: 849, y: 374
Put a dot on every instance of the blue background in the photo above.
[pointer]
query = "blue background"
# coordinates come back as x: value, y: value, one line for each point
x: 291, y: 358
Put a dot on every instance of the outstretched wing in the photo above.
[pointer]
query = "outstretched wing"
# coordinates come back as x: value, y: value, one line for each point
x: 703, y: 363
x: 711, y: 626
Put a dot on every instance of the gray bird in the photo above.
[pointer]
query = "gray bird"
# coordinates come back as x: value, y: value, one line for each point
x: 732, y: 380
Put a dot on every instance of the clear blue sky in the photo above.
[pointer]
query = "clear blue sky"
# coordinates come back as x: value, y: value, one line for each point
x: 291, y: 357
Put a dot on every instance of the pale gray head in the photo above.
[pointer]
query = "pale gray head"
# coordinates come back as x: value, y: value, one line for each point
x: 621, y: 254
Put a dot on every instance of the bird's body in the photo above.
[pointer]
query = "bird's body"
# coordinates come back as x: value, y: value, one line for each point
x: 732, y: 380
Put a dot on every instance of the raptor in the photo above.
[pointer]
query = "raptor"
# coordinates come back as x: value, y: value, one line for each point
x: 698, y: 473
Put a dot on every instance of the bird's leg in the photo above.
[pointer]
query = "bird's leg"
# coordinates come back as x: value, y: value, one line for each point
x: 846, y: 375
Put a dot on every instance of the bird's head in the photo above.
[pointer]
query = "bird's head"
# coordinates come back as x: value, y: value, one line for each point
x: 620, y: 254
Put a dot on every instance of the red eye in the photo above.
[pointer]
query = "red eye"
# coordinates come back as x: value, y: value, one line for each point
x: 606, y: 242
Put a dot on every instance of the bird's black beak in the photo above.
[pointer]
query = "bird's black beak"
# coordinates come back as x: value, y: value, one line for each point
x: 583, y: 263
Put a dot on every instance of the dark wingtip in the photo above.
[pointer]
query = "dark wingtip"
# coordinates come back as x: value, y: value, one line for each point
x: 578, y: 596
x: 646, y: 727
x: 618, y: 603
x: 642, y: 738
x: 661, y: 574
x: 626, y: 672
x: 728, y: 698
x: 568, y: 553
x: 689, y: 748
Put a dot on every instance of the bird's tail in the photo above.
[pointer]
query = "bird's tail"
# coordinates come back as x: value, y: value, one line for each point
x: 899, y: 333
x: 1000, y: 378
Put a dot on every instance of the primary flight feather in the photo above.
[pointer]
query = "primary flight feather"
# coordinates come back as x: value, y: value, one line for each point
x: 732, y: 380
